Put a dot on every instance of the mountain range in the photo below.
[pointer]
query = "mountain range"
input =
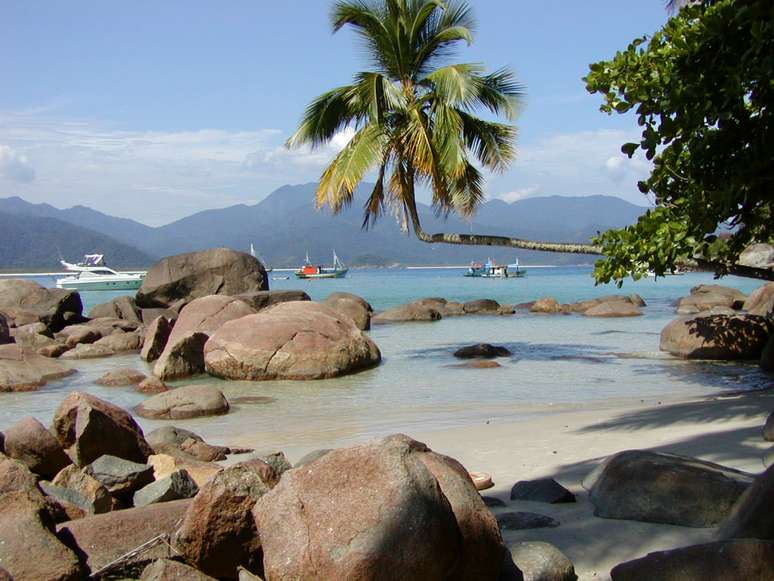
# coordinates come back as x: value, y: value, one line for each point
x: 285, y: 225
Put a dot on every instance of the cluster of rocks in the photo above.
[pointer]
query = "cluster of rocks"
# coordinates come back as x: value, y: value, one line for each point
x: 722, y: 323
x: 435, y: 308
x: 93, y: 496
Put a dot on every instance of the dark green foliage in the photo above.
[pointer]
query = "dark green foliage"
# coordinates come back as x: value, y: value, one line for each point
x: 702, y: 89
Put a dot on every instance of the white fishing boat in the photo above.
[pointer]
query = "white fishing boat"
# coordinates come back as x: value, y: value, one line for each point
x: 92, y: 274
x: 490, y: 269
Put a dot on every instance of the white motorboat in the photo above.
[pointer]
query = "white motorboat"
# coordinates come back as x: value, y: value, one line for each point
x: 92, y: 274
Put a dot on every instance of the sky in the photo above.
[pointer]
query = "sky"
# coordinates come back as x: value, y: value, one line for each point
x: 156, y: 109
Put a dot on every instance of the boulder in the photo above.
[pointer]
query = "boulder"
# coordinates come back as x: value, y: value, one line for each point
x: 169, y: 570
x: 15, y: 476
x: 752, y: 516
x: 541, y: 490
x: 190, y: 401
x: 707, y: 296
x: 152, y: 385
x: 183, y: 359
x: 53, y: 351
x: 278, y: 462
x: 29, y: 549
x: 78, y: 488
x: 176, y: 486
x: 90, y: 427
x: 517, y: 521
x: 407, y: 518
x: 218, y: 532
x: 23, y: 369
x: 452, y: 309
x: 121, y: 342
x: 120, y: 477
x: 297, y: 340
x: 477, y: 364
x: 757, y: 256
x: 664, y: 488
x: 613, y: 309
x: 84, y: 351
x: 716, y: 337
x: 32, y: 336
x: 120, y: 377
x: 77, y: 334
x: 205, y: 452
x: 768, y: 428
x: 407, y: 313
x: 742, y: 560
x: 482, y: 351
x: 124, y: 307
x: 547, y: 305
x: 166, y: 464
x: 156, y: 337
x: 103, y: 538
x: 352, y: 306
x: 542, y: 562
x: 171, y: 435
x: 33, y: 445
x: 583, y: 306
x: 5, y: 333
x: 25, y: 301
x: 481, y: 306
x: 260, y: 300
x: 761, y: 301
x: 177, y: 280
x: 312, y: 456
x: 150, y: 315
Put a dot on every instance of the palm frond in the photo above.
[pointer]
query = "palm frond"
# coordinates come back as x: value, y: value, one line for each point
x: 493, y: 144
x: 324, y: 117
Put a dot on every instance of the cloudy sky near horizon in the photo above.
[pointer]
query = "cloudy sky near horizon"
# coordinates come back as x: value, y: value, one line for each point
x: 155, y: 110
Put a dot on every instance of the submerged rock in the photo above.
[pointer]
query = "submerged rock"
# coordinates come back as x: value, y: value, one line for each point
x: 542, y: 490
x: 190, y: 401
x: 23, y: 369
x: 297, y: 340
x: 516, y: 521
x: 121, y: 377
x: 482, y: 351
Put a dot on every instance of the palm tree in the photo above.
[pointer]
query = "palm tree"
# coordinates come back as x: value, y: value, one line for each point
x: 414, y: 117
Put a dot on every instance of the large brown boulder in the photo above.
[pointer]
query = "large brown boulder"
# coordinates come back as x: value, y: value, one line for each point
x: 5, y: 333
x: 124, y: 307
x: 120, y: 342
x: 583, y: 306
x: 122, y: 376
x: 418, y: 518
x: 218, y: 533
x: 752, y: 516
x: 297, y: 340
x: 547, y: 305
x: 740, y: 560
x: 412, y: 312
x: 540, y: 561
x: 23, y: 369
x: 481, y: 306
x: 169, y: 570
x: 29, y: 549
x: 260, y: 300
x: 705, y: 297
x: 353, y: 306
x: 177, y: 280
x: 725, y: 337
x: 613, y: 309
x: 90, y: 427
x: 190, y: 401
x: 103, y: 538
x: 200, y: 317
x: 156, y: 337
x: 759, y: 255
x: 761, y: 301
x: 25, y: 302
x: 15, y: 476
x: 32, y: 444
x: 664, y: 488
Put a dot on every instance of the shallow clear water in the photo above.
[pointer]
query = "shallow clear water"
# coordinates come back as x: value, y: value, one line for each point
x: 557, y: 361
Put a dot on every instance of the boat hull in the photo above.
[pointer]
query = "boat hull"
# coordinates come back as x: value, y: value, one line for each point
x: 336, y: 274
x: 99, y: 285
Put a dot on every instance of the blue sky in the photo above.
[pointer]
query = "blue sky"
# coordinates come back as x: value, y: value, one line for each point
x: 157, y: 109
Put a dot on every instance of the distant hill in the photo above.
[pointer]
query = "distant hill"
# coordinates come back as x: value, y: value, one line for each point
x: 36, y: 242
x: 286, y: 225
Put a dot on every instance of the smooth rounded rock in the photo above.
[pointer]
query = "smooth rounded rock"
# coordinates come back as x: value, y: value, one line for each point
x: 120, y: 377
x: 482, y: 351
x: 407, y: 313
x: 23, y: 369
x: 190, y: 401
x: 716, y: 337
x: 32, y: 444
x: 352, y: 306
x: 540, y: 561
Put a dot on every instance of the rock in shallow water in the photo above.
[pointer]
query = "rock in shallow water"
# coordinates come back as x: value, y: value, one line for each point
x: 482, y: 351
x: 516, y: 521
x: 23, y: 369
x: 716, y: 337
x: 120, y: 377
x: 190, y: 401
x: 542, y: 490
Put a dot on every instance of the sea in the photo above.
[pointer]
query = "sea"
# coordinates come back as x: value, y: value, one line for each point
x: 559, y: 362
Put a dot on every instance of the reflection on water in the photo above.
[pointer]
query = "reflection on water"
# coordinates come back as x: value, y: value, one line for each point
x: 557, y: 361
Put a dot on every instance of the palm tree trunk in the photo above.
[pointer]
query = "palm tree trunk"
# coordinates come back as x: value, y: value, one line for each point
x: 487, y: 240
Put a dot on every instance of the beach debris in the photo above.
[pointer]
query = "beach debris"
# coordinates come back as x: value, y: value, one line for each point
x: 664, y: 488
x: 407, y: 313
x: 748, y: 559
x: 519, y: 520
x: 541, y: 561
x: 297, y: 340
x: 176, y: 486
x: 176, y: 280
x: 353, y: 306
x: 121, y: 377
x: 156, y: 337
x: 121, y: 477
x: 481, y: 307
x: 23, y: 369
x: 752, y: 516
x: 88, y: 427
x: 190, y: 401
x: 716, y: 337
x: 482, y: 351
x: 169, y: 570
x: 29, y: 547
x: 417, y: 510
x: 218, y: 533
x: 541, y: 490
x: 34, y: 446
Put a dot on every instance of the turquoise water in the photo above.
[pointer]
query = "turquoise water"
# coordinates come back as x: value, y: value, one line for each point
x: 558, y: 361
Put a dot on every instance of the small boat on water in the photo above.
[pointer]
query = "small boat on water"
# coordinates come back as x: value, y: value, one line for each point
x: 490, y: 269
x: 92, y: 274
x: 309, y: 270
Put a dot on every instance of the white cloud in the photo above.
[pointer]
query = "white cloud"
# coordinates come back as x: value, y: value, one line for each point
x: 516, y: 195
x: 14, y: 166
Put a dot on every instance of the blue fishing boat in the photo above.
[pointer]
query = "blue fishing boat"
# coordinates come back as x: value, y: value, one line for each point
x: 490, y: 269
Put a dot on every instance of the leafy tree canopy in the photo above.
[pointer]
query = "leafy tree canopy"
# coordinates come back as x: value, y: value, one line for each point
x: 702, y: 89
